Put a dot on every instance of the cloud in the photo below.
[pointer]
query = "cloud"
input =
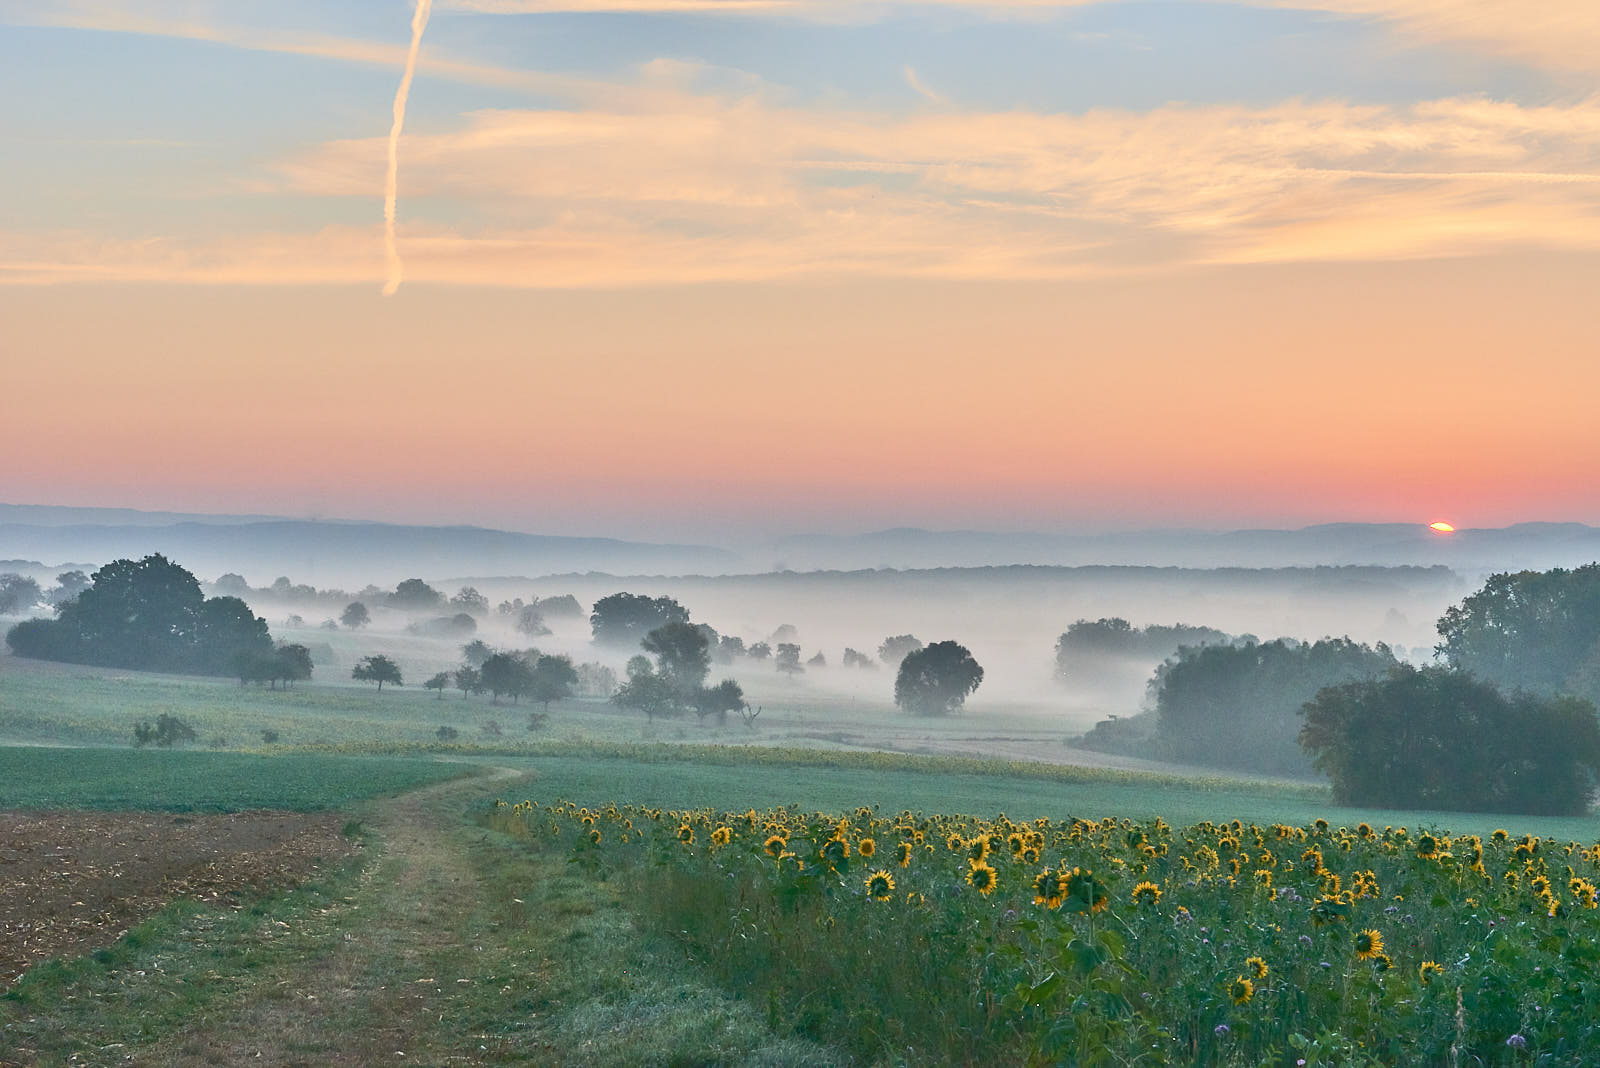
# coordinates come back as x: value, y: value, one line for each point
x: 918, y: 86
x: 684, y: 187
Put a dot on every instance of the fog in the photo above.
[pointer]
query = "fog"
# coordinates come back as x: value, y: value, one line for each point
x: 1009, y: 617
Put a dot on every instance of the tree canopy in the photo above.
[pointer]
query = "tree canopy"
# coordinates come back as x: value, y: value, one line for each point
x: 379, y: 669
x: 1086, y: 642
x: 553, y: 680
x: 623, y: 619
x: 1532, y: 630
x: 1237, y: 706
x: 414, y: 595
x: 682, y: 655
x: 936, y: 679
x: 18, y: 593
x: 355, y: 615
x: 146, y: 615
x: 1438, y: 738
x: 894, y: 649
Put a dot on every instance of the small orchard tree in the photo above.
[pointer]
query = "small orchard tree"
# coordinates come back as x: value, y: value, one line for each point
x: 726, y: 696
x: 553, y: 680
x: 505, y: 673
x: 895, y: 649
x: 645, y: 691
x: 167, y: 732
x: 468, y: 680
x: 935, y: 680
x: 439, y: 682
x: 379, y: 669
x: 355, y: 615
x: 788, y: 659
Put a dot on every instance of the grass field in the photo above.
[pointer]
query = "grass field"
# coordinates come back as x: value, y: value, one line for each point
x: 59, y: 777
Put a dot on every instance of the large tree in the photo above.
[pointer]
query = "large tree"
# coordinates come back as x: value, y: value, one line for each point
x: 935, y: 680
x: 682, y: 655
x: 355, y: 615
x: 414, y: 595
x: 18, y: 593
x: 149, y: 615
x: 1438, y: 738
x: 506, y: 673
x: 623, y: 619
x: 1237, y: 706
x: 1532, y: 630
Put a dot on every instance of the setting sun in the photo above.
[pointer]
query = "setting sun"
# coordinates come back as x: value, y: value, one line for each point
x: 1441, y: 528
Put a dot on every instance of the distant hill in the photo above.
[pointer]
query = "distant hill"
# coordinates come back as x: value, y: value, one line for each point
x: 1525, y: 545
x: 349, y: 553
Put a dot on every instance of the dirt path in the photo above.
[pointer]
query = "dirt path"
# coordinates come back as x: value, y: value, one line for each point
x: 383, y: 968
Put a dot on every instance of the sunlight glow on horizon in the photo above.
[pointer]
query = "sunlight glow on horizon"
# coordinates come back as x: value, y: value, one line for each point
x: 1441, y: 528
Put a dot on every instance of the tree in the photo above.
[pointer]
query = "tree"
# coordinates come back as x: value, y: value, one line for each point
x: 68, y: 585
x: 379, y: 669
x: 167, y: 732
x: 355, y: 615
x: 681, y: 655
x: 645, y: 691
x: 231, y: 585
x: 935, y: 680
x: 553, y: 680
x: 895, y: 649
x: 726, y: 696
x: 224, y: 628
x: 853, y: 659
x: 623, y: 619
x: 467, y: 680
x: 476, y: 652
x: 759, y: 651
x: 1437, y: 738
x: 148, y: 615
x: 470, y: 600
x: 1238, y: 706
x: 818, y: 661
x: 729, y: 648
x: 505, y: 673
x: 18, y: 593
x: 414, y: 595
x: 1532, y: 630
x: 440, y: 682
x: 1086, y: 645
x: 788, y: 659
x: 558, y: 606
x: 531, y: 622
x: 294, y: 661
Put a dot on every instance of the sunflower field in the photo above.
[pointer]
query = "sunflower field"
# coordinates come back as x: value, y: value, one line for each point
x: 916, y: 939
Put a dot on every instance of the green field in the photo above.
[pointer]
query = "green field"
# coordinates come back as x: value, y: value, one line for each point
x: 56, y: 777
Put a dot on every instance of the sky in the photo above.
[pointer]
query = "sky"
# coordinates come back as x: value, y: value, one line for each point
x: 718, y: 269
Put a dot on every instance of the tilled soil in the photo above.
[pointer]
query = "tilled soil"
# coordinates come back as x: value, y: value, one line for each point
x: 73, y: 882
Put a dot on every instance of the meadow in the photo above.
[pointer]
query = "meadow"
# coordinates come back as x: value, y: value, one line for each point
x: 58, y: 777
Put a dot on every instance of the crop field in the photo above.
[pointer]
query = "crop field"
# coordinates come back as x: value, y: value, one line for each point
x: 60, y: 778
x: 947, y: 939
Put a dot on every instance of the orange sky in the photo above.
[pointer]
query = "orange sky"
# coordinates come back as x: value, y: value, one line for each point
x: 1211, y: 397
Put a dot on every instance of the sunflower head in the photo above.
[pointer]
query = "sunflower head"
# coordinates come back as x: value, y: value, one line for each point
x: 1256, y: 967
x: 1241, y: 990
x: 1368, y: 944
x: 1146, y: 893
x: 866, y: 847
x: 721, y: 836
x: 1048, y: 889
x: 1428, y: 971
x: 902, y: 854
x: 775, y: 845
x: 880, y: 886
x: 981, y: 877
x: 686, y: 834
x: 595, y: 836
x: 978, y: 848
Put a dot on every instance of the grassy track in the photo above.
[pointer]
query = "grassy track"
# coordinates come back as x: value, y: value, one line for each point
x: 450, y: 945
x: 186, y: 781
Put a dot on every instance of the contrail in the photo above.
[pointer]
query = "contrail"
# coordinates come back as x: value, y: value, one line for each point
x: 419, y: 22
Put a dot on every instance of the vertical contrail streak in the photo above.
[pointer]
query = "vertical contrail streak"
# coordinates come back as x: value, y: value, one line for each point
x: 419, y: 21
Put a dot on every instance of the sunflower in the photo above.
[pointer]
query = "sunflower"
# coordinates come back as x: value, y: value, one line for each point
x: 902, y: 854
x: 981, y: 877
x: 1264, y: 878
x: 1241, y: 990
x: 1584, y: 891
x: 1427, y: 970
x: 1146, y: 893
x: 1256, y: 967
x: 1382, y: 962
x: 1368, y: 944
x: 955, y: 843
x: 880, y: 886
x: 1048, y: 889
x: 978, y: 848
x: 594, y: 836
x: 835, y: 851
x: 1016, y: 843
x: 721, y: 836
x: 686, y: 834
x: 1030, y: 855
x: 1427, y: 846
x: 1499, y: 836
x: 775, y: 845
x: 867, y: 847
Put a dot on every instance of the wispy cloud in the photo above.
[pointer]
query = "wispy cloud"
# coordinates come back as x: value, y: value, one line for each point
x: 694, y: 187
x: 919, y: 87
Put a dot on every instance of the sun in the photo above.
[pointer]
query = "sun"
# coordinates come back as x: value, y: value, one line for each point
x: 1441, y: 528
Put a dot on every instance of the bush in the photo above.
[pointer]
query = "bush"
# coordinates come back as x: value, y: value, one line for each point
x: 1439, y: 738
x: 167, y: 732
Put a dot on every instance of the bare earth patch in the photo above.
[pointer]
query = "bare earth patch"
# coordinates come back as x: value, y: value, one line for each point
x: 73, y: 882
